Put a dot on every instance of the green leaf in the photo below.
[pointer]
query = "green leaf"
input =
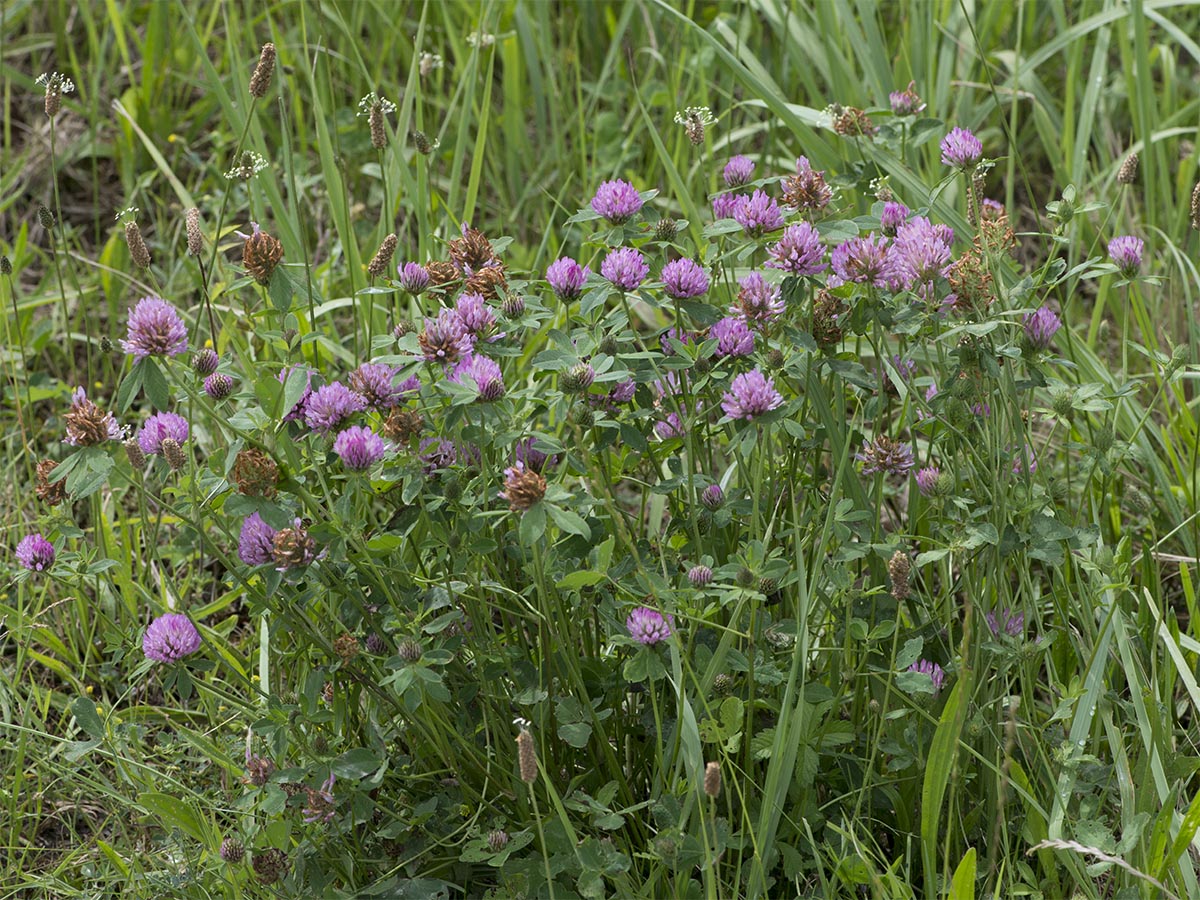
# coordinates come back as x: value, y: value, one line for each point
x: 280, y: 290
x: 645, y: 665
x: 356, y: 763
x: 130, y: 387
x: 85, y: 714
x: 155, y: 384
x: 962, y: 886
x: 569, y: 521
x: 533, y: 524
x: 577, y: 734
x: 580, y: 578
x: 173, y: 812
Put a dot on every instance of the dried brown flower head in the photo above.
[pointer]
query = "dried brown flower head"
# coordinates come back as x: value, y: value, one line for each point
x: 261, y: 254
x: 403, y: 425
x: 258, y: 770
x: 522, y: 488
x: 488, y: 281
x: 255, y: 473
x: 87, y: 424
x: 50, y: 492
x: 270, y: 865
x: 971, y: 282
x: 852, y: 122
x: 471, y: 251
x: 827, y: 310
x: 293, y: 547
x: 443, y: 275
x: 346, y: 646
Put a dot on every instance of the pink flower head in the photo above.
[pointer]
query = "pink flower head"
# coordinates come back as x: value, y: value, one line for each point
x: 684, y: 278
x: 759, y: 301
x: 35, y: 553
x: 359, y: 448
x: 1126, y: 254
x: 158, y: 428
x: 256, y: 541
x: 759, y: 215
x: 933, y: 670
x: 625, y: 268
x: 799, y: 251
x: 648, y: 626
x: 733, y: 337
x: 726, y: 206
x: 750, y: 395
x: 414, y: 278
x: 566, y: 277
x: 738, y: 171
x: 861, y: 260
x: 961, y: 149
x: 906, y: 102
x: 893, y: 216
x: 330, y: 405
x: 170, y: 638
x: 484, y: 373
x: 155, y: 329
x: 618, y: 201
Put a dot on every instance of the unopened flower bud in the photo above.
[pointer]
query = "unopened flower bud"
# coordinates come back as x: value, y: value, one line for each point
x: 700, y: 576
x: 712, y: 780
x: 173, y: 453
x: 5, y: 265
x: 744, y: 577
x: 205, y: 362
x: 106, y: 344
x: 138, y: 252
x: 1127, y: 174
x: 383, y: 257
x: 137, y: 458
x: 899, y: 568
x: 409, y: 651
x: 527, y: 757
x: 513, y: 306
x: 191, y: 225
x: 46, y: 217
x: 260, y: 81
x: 218, y: 385
x: 232, y: 850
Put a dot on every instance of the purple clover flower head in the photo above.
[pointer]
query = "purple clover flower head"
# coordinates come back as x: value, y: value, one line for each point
x: 1040, y: 327
x: 670, y: 426
x: 330, y: 405
x: 1126, y: 254
x: 476, y: 315
x: 1012, y: 624
x: 799, y: 251
x: 320, y: 806
x: 566, y: 277
x: 991, y: 209
x: 532, y: 459
x: 918, y: 256
x: 35, y: 553
x: 759, y: 301
x: 713, y: 497
x: 447, y: 337
x: 623, y: 391
x: 256, y: 542
x: 886, y: 456
x: 618, y: 201
x: 437, y: 453
x: 750, y: 395
x: 905, y: 368
x: 738, y: 171
x: 861, y: 260
x: 158, y: 428
x: 726, y: 206
x: 961, y: 149
x: 927, y: 479
x: 155, y: 329
x: 483, y: 372
x: 933, y: 670
x: 733, y: 337
x: 625, y: 268
x: 759, y: 215
x: 296, y: 413
x: 648, y: 626
x: 700, y: 576
x: 684, y: 278
x: 892, y: 217
x: 359, y: 448
x: 944, y: 233
x: 376, y: 384
x: 1024, y: 462
x: 906, y: 102
x: 218, y: 385
x: 170, y: 637
x: 414, y: 278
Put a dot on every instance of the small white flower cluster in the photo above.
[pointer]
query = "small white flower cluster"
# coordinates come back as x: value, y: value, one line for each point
x: 129, y: 212
x: 54, y: 81
x: 695, y: 115
x: 429, y: 62
x: 249, y: 165
x: 372, y: 100
x: 481, y: 39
